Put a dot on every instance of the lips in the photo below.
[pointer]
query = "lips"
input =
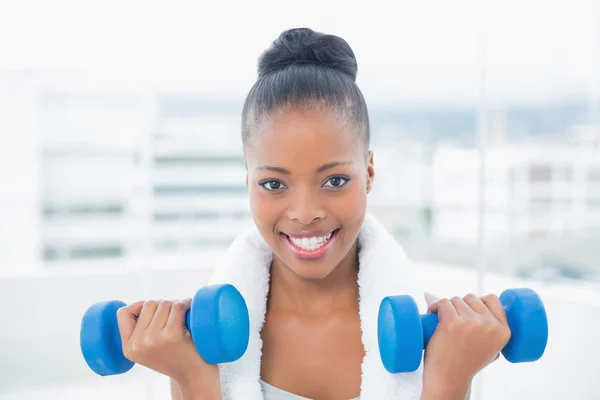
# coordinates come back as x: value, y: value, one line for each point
x: 311, y: 245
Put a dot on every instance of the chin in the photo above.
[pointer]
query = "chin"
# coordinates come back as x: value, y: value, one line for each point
x: 312, y: 271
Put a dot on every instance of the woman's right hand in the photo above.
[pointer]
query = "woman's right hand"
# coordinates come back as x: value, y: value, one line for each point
x: 153, y: 334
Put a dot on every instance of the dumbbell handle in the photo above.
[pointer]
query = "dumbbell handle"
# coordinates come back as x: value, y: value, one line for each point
x: 430, y: 322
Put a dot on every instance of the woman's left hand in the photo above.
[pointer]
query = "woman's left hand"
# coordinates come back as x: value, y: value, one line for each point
x: 470, y: 335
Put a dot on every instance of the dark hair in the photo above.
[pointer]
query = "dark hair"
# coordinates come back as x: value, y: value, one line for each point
x: 307, y: 69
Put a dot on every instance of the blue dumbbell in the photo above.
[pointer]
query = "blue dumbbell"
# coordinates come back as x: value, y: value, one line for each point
x: 403, y: 333
x: 218, y: 321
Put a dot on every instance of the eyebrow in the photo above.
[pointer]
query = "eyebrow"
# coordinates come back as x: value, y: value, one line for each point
x: 322, y: 168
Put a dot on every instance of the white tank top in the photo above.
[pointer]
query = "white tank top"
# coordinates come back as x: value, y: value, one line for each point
x: 273, y: 393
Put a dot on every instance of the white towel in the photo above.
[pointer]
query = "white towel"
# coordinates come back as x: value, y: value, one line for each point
x: 384, y: 270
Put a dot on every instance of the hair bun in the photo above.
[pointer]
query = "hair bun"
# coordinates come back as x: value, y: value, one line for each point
x: 305, y: 46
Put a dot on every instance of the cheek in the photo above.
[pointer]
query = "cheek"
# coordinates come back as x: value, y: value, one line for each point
x: 265, y: 210
x: 351, y: 206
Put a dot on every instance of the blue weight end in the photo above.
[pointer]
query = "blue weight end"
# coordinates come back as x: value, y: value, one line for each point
x: 400, y: 334
x: 100, y: 340
x: 528, y: 324
x: 219, y: 323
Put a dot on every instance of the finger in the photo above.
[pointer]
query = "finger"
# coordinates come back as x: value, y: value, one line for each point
x: 462, y: 308
x: 444, y: 308
x: 146, y: 316
x: 127, y: 319
x: 178, y: 312
x: 434, y: 306
x: 160, y: 316
x: 493, y: 304
x: 478, y: 306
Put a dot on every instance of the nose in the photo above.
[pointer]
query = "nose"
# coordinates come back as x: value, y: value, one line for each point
x: 305, y: 207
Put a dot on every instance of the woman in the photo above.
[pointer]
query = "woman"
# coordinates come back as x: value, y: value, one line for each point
x: 316, y: 265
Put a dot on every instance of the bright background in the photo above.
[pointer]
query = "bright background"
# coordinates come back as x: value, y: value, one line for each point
x: 122, y: 175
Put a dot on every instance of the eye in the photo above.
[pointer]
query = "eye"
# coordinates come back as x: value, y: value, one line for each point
x: 337, y: 181
x: 272, y: 185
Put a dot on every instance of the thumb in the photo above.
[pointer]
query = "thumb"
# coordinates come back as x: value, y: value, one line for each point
x: 127, y: 319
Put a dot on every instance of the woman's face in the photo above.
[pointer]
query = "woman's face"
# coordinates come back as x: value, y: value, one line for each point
x: 308, y: 179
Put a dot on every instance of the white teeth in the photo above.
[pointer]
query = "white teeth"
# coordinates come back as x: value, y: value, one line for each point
x: 329, y: 236
x: 311, y: 243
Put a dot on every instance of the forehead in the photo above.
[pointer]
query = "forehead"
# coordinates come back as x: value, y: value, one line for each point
x: 298, y: 139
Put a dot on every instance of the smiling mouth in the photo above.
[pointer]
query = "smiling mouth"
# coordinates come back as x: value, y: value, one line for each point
x: 313, y: 247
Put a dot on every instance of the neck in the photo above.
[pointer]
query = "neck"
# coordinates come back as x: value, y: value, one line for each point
x: 316, y: 298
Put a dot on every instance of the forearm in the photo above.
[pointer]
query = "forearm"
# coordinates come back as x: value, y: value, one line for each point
x: 432, y: 395
x: 440, y: 391
x: 201, y: 392
x: 196, y: 391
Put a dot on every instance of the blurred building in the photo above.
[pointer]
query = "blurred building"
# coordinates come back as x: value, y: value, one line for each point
x: 92, y: 180
x: 102, y: 177
x: 541, y: 216
x: 530, y: 191
x: 145, y: 178
x: 402, y: 189
x: 199, y: 200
